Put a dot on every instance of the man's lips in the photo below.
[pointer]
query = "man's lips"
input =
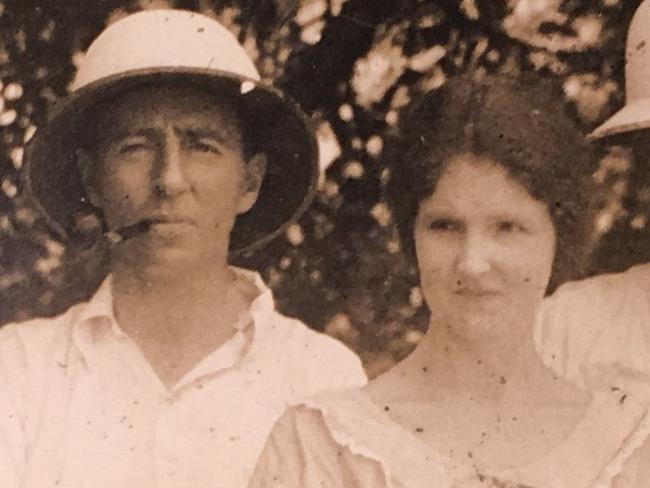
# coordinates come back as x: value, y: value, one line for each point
x: 128, y: 231
x: 144, y: 225
x: 167, y: 219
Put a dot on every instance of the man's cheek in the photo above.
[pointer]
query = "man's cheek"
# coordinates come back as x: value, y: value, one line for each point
x: 121, y: 207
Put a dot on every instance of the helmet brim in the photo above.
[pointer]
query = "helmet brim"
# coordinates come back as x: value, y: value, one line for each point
x: 632, y: 117
x: 278, y: 126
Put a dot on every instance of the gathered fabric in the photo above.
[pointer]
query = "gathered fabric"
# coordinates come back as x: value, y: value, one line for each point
x: 343, y: 439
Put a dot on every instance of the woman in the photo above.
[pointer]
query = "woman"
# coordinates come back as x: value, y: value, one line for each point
x: 490, y: 194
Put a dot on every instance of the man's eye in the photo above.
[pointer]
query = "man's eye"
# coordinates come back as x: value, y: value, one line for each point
x: 446, y: 225
x: 131, y: 147
x: 203, y: 145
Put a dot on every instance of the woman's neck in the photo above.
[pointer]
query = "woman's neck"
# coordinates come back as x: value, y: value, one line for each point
x: 446, y: 363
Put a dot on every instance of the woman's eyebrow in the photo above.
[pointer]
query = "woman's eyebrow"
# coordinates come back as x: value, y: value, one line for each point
x: 441, y: 206
x: 437, y: 214
x: 508, y: 215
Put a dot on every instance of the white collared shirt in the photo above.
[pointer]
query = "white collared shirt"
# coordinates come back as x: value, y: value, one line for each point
x: 601, y: 320
x: 81, y: 407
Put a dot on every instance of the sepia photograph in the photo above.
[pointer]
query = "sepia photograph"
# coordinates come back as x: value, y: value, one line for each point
x: 324, y: 244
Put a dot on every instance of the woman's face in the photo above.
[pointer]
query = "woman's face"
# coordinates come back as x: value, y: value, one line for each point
x: 485, y: 250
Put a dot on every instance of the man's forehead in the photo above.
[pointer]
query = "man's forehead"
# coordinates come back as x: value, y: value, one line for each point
x: 188, y: 107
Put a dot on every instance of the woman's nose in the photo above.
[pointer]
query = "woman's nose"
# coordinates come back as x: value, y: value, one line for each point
x: 171, y: 179
x: 474, y: 256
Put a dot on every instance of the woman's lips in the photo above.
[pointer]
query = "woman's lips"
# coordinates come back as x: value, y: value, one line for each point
x: 476, y: 292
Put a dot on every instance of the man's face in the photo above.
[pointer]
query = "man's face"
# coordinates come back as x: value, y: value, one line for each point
x: 173, y: 158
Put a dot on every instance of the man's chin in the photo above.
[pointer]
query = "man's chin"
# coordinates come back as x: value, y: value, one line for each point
x: 170, y: 258
x: 170, y: 265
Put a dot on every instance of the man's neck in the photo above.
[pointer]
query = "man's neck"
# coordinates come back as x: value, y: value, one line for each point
x: 179, y: 318
x: 170, y: 283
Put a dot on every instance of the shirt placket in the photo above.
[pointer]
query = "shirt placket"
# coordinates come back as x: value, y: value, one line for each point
x: 170, y: 437
x: 171, y: 422
x: 166, y: 453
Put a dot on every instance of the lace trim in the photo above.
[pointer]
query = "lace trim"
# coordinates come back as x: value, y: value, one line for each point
x: 344, y: 439
x: 636, y: 439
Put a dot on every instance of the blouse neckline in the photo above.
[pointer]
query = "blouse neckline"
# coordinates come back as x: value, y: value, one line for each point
x: 611, y: 428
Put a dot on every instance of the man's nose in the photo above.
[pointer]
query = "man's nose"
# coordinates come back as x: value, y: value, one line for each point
x: 171, y: 179
x: 474, y: 257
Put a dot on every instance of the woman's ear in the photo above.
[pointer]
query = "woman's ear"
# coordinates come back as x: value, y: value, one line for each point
x: 85, y: 165
x: 253, y: 178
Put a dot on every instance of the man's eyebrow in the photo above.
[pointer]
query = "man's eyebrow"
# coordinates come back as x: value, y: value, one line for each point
x: 218, y: 135
x: 118, y: 135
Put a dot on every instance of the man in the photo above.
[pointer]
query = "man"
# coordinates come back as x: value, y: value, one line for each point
x: 587, y: 327
x: 175, y: 370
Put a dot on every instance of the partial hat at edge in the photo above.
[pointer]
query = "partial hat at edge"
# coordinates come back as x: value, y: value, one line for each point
x: 635, y: 114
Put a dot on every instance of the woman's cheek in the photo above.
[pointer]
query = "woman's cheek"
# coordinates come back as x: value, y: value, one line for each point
x: 435, y: 265
x: 431, y: 254
x: 530, y: 264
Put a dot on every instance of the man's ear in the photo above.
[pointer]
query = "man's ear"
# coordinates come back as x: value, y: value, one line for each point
x: 253, y: 178
x: 85, y: 165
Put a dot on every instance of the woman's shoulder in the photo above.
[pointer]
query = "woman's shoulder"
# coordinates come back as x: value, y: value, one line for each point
x: 314, y: 445
x: 343, y: 434
x: 345, y: 415
x: 601, y: 447
x: 325, y: 414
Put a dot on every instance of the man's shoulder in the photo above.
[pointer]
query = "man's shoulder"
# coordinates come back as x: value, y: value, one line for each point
x: 38, y: 334
x: 315, y: 353
x: 635, y: 278
x: 295, y: 334
x: 600, y: 299
x: 592, y: 318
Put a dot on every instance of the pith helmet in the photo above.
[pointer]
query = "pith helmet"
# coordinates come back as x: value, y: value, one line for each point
x: 171, y: 46
x: 635, y: 115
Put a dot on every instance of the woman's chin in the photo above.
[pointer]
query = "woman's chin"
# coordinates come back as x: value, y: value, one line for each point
x: 482, y: 326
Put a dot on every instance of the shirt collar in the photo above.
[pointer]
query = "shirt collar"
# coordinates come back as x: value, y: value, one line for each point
x: 101, y: 303
x: 263, y: 303
x: 100, y: 307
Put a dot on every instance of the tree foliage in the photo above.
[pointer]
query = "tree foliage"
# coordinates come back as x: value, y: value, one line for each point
x: 353, y: 65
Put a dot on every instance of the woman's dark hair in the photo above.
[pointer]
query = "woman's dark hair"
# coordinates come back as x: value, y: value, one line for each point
x: 520, y: 122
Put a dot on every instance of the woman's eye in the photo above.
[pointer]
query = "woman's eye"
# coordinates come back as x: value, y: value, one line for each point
x: 508, y: 226
x: 447, y: 225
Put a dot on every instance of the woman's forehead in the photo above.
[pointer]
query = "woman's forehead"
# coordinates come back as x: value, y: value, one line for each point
x: 479, y: 183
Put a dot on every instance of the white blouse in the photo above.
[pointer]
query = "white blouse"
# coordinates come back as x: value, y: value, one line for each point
x: 344, y: 440
x: 595, y: 333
